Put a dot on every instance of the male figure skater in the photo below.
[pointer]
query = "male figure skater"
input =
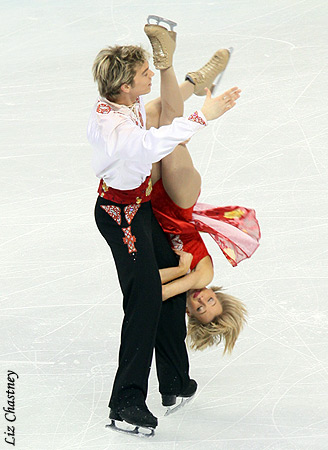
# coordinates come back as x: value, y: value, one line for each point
x: 123, y: 155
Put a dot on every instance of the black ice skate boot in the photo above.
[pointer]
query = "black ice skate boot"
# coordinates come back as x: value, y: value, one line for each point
x: 170, y: 401
x: 139, y: 416
x: 142, y: 420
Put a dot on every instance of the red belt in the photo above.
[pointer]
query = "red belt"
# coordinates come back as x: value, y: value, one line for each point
x: 139, y: 195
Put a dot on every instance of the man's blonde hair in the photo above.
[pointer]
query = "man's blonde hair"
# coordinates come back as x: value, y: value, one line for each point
x: 226, y: 326
x: 115, y: 66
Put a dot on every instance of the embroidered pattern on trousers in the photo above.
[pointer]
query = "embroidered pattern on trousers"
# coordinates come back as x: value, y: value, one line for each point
x: 129, y: 239
x: 114, y: 212
x: 130, y: 211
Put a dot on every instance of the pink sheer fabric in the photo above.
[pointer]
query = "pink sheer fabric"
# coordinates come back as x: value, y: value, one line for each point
x: 234, y: 228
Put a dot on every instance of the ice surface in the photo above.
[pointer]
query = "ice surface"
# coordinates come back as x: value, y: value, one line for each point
x: 60, y: 300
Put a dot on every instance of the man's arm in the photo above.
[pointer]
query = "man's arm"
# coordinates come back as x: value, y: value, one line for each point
x: 115, y: 137
x: 126, y: 141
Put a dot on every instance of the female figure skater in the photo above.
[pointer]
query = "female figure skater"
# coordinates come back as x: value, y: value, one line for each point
x: 213, y: 315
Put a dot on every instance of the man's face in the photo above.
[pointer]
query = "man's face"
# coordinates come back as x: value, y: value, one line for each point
x: 142, y: 80
x: 203, y: 304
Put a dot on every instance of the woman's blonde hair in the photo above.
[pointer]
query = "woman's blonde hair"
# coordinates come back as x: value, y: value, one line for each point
x: 115, y: 66
x: 226, y: 326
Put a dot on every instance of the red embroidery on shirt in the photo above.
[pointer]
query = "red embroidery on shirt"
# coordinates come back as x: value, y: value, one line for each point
x: 195, y: 118
x: 138, y: 120
x: 136, y: 115
x: 130, y: 211
x: 103, y: 108
x: 141, y: 121
x: 114, y: 212
x: 129, y: 239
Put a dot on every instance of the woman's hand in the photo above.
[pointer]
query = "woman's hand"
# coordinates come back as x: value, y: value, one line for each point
x: 215, y: 107
x: 184, y: 261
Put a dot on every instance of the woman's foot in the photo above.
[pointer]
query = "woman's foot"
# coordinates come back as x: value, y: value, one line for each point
x: 206, y: 76
x: 163, y: 43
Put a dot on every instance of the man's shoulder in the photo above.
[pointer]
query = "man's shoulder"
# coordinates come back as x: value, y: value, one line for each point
x: 103, y: 108
x: 108, y: 113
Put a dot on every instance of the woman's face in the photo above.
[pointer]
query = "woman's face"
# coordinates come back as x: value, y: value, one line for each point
x: 203, y: 304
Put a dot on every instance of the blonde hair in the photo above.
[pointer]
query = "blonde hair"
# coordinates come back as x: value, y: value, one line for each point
x: 115, y: 66
x: 226, y: 326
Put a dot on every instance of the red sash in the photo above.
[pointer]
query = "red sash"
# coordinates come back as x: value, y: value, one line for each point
x: 138, y: 195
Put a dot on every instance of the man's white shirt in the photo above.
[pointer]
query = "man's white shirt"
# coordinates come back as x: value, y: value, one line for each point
x: 124, y: 150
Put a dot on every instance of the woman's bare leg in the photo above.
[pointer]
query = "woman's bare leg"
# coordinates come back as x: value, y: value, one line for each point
x: 186, y: 90
x: 180, y: 179
x: 171, y: 98
x: 154, y: 107
x: 156, y: 172
x: 164, y: 109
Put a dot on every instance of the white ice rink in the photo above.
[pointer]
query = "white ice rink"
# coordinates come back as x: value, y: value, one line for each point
x: 60, y: 300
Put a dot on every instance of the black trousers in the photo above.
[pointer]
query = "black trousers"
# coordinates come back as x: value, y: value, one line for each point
x: 139, y: 249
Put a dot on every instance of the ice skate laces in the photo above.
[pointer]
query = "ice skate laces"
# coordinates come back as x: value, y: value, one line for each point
x: 215, y: 64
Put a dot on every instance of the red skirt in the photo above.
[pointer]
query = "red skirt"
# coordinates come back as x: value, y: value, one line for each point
x: 234, y: 228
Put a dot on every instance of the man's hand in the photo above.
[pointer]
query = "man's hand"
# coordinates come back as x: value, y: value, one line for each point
x: 215, y: 107
x: 184, y: 261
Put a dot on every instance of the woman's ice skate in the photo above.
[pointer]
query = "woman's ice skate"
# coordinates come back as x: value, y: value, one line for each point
x: 159, y: 19
x: 162, y: 40
x: 210, y: 75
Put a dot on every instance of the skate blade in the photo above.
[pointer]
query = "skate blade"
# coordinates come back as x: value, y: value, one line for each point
x: 175, y: 408
x: 218, y: 79
x: 159, y: 19
x: 133, y: 430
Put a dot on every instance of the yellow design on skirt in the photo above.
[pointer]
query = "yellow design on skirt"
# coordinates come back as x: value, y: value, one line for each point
x: 233, y: 214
